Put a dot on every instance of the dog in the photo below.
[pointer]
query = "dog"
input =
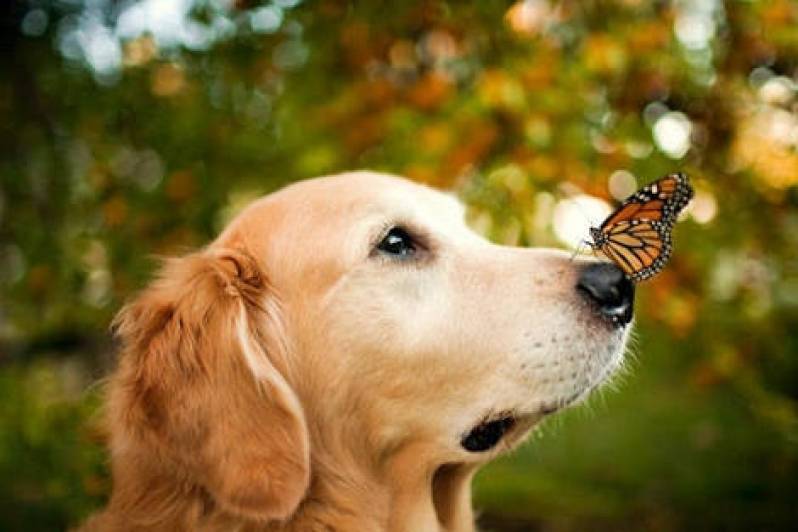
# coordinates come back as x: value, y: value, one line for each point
x: 344, y: 357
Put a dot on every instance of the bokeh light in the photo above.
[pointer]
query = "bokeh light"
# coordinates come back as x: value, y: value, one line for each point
x: 574, y: 216
x: 529, y: 16
x: 704, y: 207
x: 622, y: 184
x: 672, y: 134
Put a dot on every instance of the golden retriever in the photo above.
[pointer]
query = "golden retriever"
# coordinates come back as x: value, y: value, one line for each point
x: 343, y: 357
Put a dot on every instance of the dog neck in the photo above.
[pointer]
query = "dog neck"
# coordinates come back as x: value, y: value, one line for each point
x: 402, y: 493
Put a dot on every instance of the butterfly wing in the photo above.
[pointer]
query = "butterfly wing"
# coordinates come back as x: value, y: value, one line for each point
x: 640, y: 248
x: 661, y: 200
x: 637, y: 236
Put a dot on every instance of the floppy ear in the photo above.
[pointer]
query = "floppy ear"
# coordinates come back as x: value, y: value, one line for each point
x: 198, y: 388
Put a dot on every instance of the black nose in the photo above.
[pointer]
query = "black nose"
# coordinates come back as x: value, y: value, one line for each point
x: 605, y: 285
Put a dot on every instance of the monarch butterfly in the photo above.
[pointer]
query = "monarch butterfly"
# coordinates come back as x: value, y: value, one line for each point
x: 637, y: 236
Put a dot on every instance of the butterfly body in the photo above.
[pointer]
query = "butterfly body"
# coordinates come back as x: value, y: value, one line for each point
x: 637, y: 236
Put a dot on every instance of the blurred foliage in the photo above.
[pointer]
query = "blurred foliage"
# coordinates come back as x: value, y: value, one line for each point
x: 136, y: 129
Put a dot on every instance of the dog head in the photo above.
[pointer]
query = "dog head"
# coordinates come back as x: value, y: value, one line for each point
x: 354, y: 322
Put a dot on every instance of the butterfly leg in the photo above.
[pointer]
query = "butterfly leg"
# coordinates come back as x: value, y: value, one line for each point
x: 579, y: 247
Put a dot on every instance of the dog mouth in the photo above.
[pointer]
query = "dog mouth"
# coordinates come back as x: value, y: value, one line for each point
x: 486, y: 434
x: 492, y: 429
x: 508, y: 425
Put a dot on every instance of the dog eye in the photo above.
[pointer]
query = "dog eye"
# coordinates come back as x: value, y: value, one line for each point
x: 398, y: 243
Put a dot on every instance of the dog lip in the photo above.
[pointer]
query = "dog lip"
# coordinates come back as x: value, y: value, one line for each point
x: 486, y: 434
x: 548, y: 408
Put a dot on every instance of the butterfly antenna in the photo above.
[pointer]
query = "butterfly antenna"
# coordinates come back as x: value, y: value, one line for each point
x: 578, y: 249
x: 582, y: 211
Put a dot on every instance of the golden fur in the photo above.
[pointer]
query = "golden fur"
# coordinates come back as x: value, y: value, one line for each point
x: 290, y: 378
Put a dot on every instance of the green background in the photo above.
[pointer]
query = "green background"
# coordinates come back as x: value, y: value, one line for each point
x: 121, y: 142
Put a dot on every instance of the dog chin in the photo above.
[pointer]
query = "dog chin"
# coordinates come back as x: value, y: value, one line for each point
x: 603, y: 364
x: 511, y: 425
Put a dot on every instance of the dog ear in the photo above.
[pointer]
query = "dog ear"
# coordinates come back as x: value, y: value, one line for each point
x: 198, y: 387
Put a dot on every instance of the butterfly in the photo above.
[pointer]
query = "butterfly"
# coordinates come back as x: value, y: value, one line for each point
x: 637, y: 236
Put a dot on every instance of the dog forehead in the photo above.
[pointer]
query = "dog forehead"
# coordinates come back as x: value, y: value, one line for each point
x: 387, y: 192
x: 351, y: 208
x: 352, y: 197
x: 421, y: 205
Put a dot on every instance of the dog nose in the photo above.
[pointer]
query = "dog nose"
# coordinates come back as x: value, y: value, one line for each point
x: 605, y: 285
